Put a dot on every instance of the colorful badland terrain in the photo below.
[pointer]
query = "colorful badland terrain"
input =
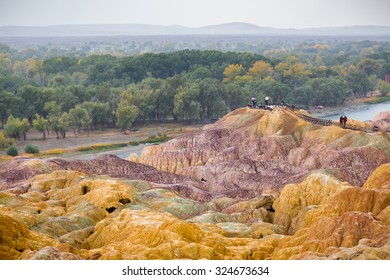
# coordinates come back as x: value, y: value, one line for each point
x: 257, y: 184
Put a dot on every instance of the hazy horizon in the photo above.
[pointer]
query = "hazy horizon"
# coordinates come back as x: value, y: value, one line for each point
x: 179, y: 25
x: 298, y: 14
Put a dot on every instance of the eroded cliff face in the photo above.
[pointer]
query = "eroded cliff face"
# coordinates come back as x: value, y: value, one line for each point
x: 255, y: 185
x: 382, y: 121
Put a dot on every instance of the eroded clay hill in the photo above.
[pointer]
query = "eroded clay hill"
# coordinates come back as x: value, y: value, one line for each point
x: 252, y: 152
x: 255, y: 185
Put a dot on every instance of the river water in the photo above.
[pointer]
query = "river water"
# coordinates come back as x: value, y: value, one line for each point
x: 362, y: 114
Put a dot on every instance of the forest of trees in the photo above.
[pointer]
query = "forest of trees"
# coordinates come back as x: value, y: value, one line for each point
x: 74, y: 92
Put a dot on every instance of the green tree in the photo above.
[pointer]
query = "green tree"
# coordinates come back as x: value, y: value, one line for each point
x: 372, y: 83
x: 8, y: 105
x: 145, y: 98
x: 212, y: 102
x: 187, y: 106
x: 112, y: 107
x: 52, y: 108
x: 127, y: 112
x: 60, y: 125
x: 98, y: 112
x: 32, y: 101
x: 329, y: 91
x: 276, y: 90
x: 369, y: 66
x: 53, y: 112
x: 126, y: 115
x: 358, y: 83
x: 167, y: 96
x: 201, y: 73
x: 64, y: 122
x: 79, y: 118
x: 235, y: 95
x: 385, y: 69
x: 101, y: 114
x: 67, y: 99
x: 24, y: 127
x: 383, y: 87
x: 40, y: 124
x: 12, y: 127
x: 301, y: 96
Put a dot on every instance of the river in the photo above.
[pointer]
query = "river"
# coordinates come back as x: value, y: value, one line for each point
x: 364, y: 113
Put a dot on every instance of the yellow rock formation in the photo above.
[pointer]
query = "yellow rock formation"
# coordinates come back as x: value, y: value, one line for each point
x: 330, y: 235
x: 153, y: 235
x: 16, y: 238
x: 103, y: 218
x: 296, y: 199
x: 380, y: 178
x: 341, y: 219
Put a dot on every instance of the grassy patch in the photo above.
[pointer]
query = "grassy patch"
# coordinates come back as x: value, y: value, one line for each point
x: 53, y: 152
x: 379, y: 100
x: 100, y: 147
x: 5, y: 158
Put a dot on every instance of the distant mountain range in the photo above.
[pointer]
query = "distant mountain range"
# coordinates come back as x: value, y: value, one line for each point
x: 234, y: 28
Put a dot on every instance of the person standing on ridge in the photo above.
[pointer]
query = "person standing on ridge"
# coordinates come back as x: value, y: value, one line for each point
x: 266, y: 100
x: 254, y: 102
x: 343, y: 121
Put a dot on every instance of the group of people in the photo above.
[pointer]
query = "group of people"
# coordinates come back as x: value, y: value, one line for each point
x: 253, y: 103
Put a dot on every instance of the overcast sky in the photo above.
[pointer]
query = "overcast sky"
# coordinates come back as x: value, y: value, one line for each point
x: 196, y: 13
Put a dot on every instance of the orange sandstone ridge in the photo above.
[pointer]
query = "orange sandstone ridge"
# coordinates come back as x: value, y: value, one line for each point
x: 255, y: 185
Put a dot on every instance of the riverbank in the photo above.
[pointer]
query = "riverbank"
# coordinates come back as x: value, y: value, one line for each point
x: 351, y: 107
x: 336, y: 110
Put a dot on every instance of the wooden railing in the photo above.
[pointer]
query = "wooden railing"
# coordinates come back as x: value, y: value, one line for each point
x: 326, y: 122
x: 323, y: 122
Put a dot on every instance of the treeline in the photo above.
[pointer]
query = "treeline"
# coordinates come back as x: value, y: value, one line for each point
x: 71, y: 93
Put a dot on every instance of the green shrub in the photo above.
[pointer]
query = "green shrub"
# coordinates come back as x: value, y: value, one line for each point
x: 159, y: 138
x: 5, y: 141
x: 134, y: 143
x: 9, y: 141
x: 31, y: 149
x: 12, y: 151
